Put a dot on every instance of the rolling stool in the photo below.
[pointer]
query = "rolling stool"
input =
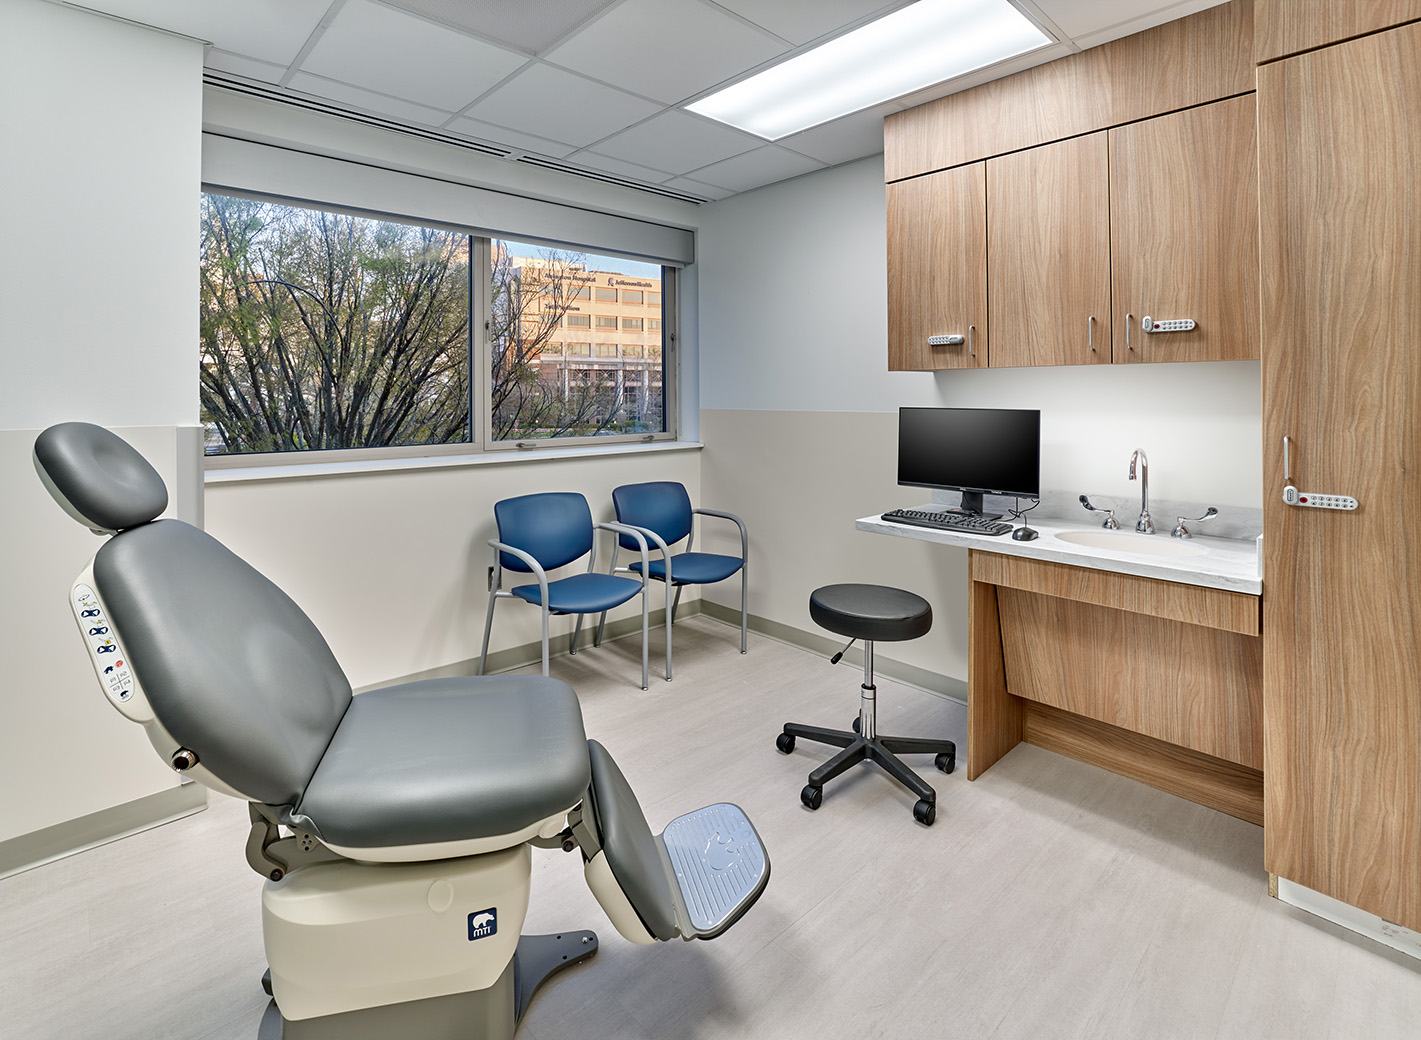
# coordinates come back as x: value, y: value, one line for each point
x: 870, y: 612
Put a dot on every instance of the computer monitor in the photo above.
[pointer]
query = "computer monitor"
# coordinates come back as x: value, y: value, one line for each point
x: 977, y: 451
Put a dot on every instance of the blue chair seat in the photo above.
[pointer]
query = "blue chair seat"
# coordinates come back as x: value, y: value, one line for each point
x: 694, y: 568
x: 581, y: 593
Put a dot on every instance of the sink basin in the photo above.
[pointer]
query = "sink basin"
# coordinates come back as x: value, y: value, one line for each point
x: 1130, y: 542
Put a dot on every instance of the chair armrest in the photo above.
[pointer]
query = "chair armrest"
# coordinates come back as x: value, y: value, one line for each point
x: 744, y: 540
x: 635, y: 532
x: 536, y: 567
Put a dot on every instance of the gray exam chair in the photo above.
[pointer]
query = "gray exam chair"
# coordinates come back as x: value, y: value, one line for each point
x: 395, y: 827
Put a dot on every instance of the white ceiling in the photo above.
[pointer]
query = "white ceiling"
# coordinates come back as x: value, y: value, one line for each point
x: 595, y: 85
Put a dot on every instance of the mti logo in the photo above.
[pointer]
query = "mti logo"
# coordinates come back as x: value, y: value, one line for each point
x: 483, y: 924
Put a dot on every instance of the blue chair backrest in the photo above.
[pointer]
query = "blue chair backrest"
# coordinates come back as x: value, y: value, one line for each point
x: 554, y: 528
x: 659, y: 505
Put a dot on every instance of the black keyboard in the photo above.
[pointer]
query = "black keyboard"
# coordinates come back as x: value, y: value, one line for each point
x: 947, y: 521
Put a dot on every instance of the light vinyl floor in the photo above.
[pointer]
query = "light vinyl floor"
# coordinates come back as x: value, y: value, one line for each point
x: 1050, y: 899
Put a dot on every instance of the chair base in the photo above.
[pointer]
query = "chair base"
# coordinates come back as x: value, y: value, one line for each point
x: 489, y: 1014
x: 881, y: 749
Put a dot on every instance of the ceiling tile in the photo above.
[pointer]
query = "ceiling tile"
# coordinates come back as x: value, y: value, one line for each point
x: 1077, y: 18
x: 800, y: 21
x: 616, y: 166
x: 690, y: 187
x: 665, y: 49
x: 270, y: 30
x: 843, y: 140
x: 407, y: 57
x: 677, y: 142
x: 238, y: 65
x: 345, y: 94
x: 509, y: 138
x: 560, y: 105
x: 762, y: 166
x: 508, y: 21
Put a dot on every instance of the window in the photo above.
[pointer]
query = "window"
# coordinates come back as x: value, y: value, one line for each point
x: 653, y: 299
x: 631, y: 324
x: 605, y: 295
x: 631, y: 350
x: 631, y: 296
x: 653, y: 324
x: 322, y: 330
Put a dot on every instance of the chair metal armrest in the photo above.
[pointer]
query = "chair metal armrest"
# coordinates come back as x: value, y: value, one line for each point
x: 536, y: 567
x: 652, y: 536
x: 744, y: 539
x: 635, y: 532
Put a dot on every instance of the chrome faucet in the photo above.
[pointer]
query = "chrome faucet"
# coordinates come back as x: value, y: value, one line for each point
x: 1145, y: 525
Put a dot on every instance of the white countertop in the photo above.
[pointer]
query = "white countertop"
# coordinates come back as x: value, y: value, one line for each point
x: 1224, y: 563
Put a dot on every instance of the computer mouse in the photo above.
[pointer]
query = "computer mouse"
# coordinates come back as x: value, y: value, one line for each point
x: 1023, y: 534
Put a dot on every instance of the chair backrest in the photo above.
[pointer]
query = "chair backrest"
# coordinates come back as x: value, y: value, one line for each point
x: 662, y: 506
x: 554, y: 528
x: 231, y: 667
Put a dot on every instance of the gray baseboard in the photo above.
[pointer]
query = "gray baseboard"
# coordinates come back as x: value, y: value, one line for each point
x: 532, y: 653
x: 64, y: 839
x: 909, y: 675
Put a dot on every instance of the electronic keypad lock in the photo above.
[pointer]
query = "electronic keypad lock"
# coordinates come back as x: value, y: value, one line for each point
x: 1172, y: 325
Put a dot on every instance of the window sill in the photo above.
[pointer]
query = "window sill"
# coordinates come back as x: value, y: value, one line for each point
x: 308, y: 470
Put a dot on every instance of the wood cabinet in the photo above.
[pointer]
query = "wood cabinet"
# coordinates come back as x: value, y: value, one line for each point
x: 1048, y: 254
x: 1339, y: 161
x: 1283, y: 27
x: 937, y: 270
x: 1184, y: 233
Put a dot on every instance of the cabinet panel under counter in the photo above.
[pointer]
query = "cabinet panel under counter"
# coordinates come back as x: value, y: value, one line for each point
x: 1156, y: 680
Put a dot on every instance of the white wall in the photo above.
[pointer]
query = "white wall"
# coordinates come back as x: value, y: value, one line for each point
x: 793, y: 326
x: 99, y: 161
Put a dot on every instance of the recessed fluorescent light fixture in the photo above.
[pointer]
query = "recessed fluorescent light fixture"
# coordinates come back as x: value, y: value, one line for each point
x: 912, y: 48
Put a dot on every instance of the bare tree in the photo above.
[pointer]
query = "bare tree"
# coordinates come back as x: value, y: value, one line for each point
x: 321, y: 330
x: 531, y: 301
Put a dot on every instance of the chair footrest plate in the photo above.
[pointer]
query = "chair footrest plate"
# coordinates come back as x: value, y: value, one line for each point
x: 719, y: 865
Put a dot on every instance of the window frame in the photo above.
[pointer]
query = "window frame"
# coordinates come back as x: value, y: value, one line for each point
x: 480, y: 375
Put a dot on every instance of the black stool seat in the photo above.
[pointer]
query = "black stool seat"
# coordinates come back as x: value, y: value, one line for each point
x: 870, y: 612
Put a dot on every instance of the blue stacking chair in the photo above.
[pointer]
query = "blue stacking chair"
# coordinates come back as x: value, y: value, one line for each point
x: 540, y: 533
x: 661, y: 510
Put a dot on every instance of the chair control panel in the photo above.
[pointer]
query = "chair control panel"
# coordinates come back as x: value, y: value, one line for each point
x: 110, y: 663
x: 1317, y: 500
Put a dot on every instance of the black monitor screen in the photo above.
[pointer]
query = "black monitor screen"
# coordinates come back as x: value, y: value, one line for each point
x: 989, y: 450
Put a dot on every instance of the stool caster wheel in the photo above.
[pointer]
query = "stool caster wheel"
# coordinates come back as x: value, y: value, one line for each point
x: 785, y: 742
x: 946, y: 762
x: 925, y: 812
x: 812, y: 796
x: 858, y: 724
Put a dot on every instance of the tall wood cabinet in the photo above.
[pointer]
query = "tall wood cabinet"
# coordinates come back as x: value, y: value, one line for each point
x: 1339, y: 162
x: 937, y: 270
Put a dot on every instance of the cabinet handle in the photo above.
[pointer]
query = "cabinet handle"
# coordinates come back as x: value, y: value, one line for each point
x: 1090, y: 332
x: 970, y: 351
x: 1129, y: 320
x: 1287, y: 470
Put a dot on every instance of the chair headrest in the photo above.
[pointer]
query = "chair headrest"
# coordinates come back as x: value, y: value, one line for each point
x: 98, y: 478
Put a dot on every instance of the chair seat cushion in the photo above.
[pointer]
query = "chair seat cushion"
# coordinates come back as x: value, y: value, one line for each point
x: 694, y: 568
x: 582, y: 593
x: 870, y: 612
x: 448, y: 760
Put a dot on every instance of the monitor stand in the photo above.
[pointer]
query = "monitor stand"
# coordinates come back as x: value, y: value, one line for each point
x: 972, y: 506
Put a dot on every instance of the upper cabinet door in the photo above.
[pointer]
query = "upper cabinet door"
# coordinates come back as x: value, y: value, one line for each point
x: 1184, y: 233
x: 1283, y: 27
x: 1048, y: 254
x: 937, y: 270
